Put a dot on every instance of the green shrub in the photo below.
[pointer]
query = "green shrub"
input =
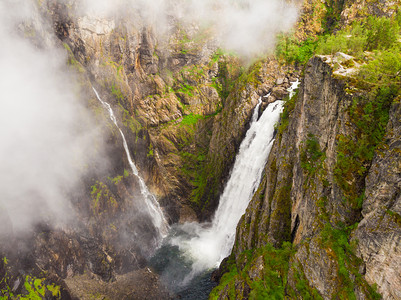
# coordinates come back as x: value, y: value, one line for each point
x: 191, y: 119
x: 331, y: 44
x: 382, y: 33
x: 116, y: 92
x: 290, y: 50
x: 384, y: 69
x: 372, y: 34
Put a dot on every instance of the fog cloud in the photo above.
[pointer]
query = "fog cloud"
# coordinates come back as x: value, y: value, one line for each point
x: 43, y: 143
x: 247, y: 27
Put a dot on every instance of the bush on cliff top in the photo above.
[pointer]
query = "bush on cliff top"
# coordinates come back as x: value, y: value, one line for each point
x: 373, y: 33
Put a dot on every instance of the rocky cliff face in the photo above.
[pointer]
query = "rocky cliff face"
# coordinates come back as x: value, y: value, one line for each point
x: 310, y: 198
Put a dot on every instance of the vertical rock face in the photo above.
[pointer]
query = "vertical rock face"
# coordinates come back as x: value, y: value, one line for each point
x: 303, y: 200
x: 379, y: 232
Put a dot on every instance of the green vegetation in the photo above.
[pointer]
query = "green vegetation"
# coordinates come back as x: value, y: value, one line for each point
x: 332, y: 16
x: 271, y: 284
x: 186, y: 89
x: 249, y: 76
x: 303, y: 288
x: 191, y: 119
x: 72, y: 61
x: 129, y: 121
x: 102, y: 196
x: 184, y: 48
x: 150, y: 151
x: 291, y: 50
x: 34, y: 288
x: 396, y: 216
x: 216, y: 56
x: 384, y: 69
x: 371, y: 34
x: 116, y: 180
x: 382, y: 33
x: 229, y: 71
x: 116, y: 92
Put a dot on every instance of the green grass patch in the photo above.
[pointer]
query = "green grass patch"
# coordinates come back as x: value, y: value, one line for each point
x: 150, y: 151
x: 191, y: 119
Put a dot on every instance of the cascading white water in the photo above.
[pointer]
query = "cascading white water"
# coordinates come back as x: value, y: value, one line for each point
x: 208, y: 244
x: 293, y: 87
x: 153, y: 207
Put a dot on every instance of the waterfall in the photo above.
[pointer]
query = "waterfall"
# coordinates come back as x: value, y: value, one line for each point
x: 207, y: 244
x: 151, y: 204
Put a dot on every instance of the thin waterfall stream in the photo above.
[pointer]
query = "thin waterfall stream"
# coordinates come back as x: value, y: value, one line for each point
x: 153, y: 207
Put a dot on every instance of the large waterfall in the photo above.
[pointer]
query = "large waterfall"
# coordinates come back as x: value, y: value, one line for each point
x: 154, y: 210
x: 205, y: 245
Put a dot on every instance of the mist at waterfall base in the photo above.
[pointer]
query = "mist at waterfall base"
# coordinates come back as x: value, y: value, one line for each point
x: 192, y: 250
x: 45, y: 131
